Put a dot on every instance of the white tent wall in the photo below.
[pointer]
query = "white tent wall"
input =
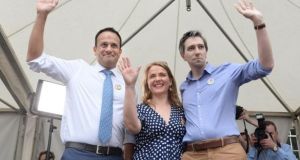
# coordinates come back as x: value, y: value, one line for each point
x: 9, y: 135
x: 29, y: 130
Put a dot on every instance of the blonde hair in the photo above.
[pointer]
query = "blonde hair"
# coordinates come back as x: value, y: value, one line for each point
x: 172, y: 92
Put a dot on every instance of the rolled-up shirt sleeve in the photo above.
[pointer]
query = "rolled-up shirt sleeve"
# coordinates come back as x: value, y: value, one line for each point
x: 56, y: 68
x: 252, y: 70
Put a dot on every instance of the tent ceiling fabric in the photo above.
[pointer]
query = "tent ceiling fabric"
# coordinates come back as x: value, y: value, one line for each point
x: 71, y: 28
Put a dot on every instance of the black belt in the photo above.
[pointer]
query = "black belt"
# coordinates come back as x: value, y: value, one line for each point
x: 94, y: 148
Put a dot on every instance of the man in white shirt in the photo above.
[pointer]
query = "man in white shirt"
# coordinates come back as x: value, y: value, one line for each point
x: 80, y: 122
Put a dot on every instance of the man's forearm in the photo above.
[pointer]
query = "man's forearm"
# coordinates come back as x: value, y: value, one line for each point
x: 36, y: 41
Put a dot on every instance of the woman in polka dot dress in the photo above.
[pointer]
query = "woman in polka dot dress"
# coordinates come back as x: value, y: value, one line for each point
x: 158, y: 122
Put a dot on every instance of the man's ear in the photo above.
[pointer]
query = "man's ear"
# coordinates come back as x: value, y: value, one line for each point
x: 182, y: 54
x: 94, y: 49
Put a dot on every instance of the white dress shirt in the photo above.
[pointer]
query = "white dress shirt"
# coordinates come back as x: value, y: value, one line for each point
x: 84, y: 83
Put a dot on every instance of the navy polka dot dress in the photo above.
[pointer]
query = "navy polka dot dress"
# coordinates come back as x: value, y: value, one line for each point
x: 156, y: 140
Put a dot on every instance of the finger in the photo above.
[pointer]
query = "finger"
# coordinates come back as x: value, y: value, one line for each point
x: 124, y: 61
x: 243, y: 4
x: 120, y: 67
x: 251, y: 5
x: 239, y: 8
x: 248, y: 4
x: 121, y: 62
x: 127, y: 62
x: 54, y: 2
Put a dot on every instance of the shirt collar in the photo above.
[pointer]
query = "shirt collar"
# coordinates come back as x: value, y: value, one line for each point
x: 207, y: 70
x: 100, y: 68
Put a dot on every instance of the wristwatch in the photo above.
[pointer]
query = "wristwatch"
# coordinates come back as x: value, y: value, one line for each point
x: 275, y: 148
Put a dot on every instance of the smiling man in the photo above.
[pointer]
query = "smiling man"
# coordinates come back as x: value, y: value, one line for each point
x: 92, y: 124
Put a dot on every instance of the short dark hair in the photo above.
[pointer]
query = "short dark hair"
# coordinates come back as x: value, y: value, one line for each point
x: 108, y: 29
x: 192, y: 33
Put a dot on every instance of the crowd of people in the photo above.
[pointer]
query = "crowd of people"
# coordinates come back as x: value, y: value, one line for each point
x: 103, y: 119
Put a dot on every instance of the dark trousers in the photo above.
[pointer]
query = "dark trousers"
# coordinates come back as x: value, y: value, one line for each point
x: 75, y: 154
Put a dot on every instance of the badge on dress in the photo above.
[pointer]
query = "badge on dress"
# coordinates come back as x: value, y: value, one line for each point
x: 210, y: 81
x: 118, y: 87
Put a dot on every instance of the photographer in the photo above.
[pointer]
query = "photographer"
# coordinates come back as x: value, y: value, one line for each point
x: 242, y: 114
x: 269, y: 147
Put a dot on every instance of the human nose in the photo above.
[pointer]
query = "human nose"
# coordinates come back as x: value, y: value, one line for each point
x: 157, y: 78
x: 197, y: 50
x: 108, y: 48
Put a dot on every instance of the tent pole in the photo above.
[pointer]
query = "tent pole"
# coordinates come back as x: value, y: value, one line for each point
x: 281, y: 101
x: 147, y: 22
x: 297, y: 128
x: 51, y: 128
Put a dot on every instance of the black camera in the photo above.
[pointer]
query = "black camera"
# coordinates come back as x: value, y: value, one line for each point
x: 260, y: 132
x: 238, y: 112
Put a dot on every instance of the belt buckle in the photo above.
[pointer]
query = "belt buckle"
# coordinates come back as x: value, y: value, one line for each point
x: 98, y: 150
x: 193, y: 147
x: 222, y: 142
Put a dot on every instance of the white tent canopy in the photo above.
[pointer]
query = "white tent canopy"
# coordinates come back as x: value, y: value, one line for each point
x: 70, y: 34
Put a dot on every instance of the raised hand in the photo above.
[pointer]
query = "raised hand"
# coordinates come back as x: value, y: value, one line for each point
x: 246, y: 8
x: 244, y: 115
x: 129, y: 74
x: 46, y: 6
